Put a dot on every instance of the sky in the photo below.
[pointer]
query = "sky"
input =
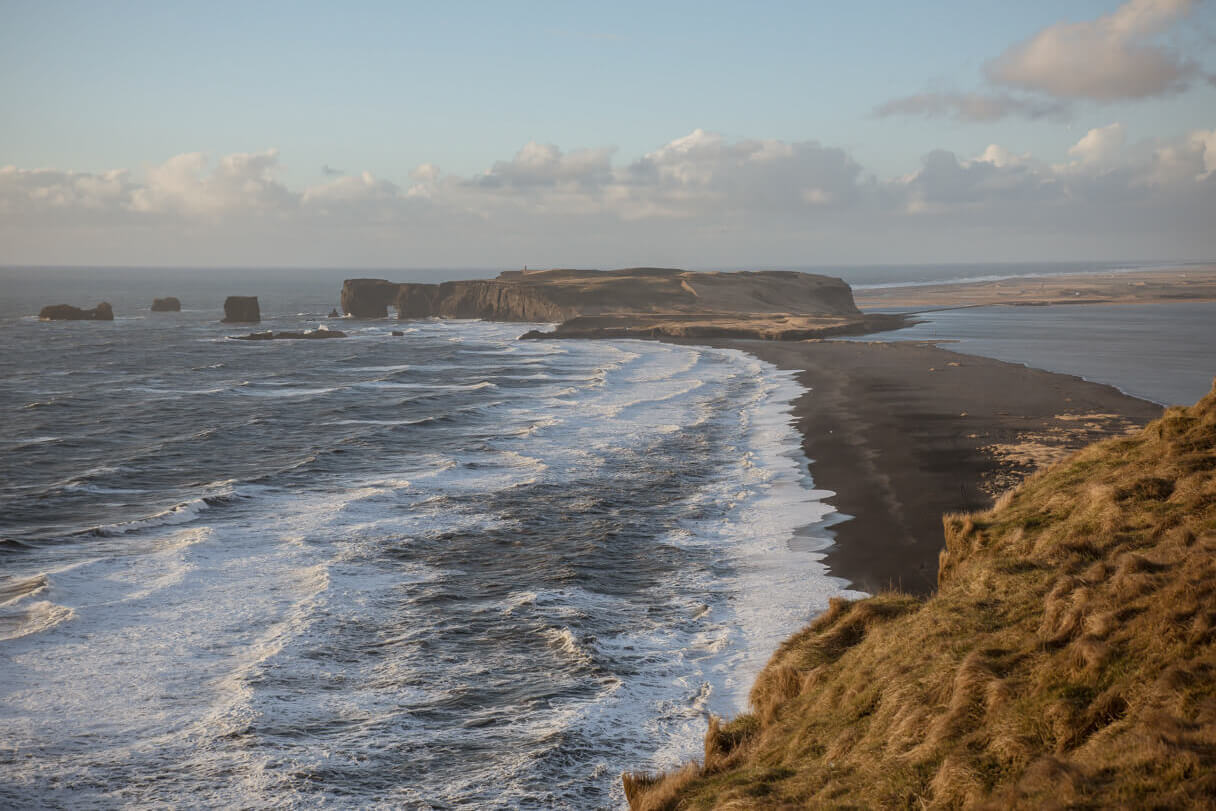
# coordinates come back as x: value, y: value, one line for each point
x: 709, y: 134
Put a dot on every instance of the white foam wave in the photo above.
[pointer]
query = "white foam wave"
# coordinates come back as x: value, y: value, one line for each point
x: 32, y: 619
x: 564, y: 641
x: 177, y: 514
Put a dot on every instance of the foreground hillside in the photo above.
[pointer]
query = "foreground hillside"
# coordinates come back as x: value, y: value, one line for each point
x: 1068, y: 658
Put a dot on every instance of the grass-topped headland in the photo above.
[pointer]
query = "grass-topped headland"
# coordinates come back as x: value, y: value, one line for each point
x: 1068, y: 657
x: 634, y: 303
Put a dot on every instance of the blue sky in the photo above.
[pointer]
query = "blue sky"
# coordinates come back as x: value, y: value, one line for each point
x: 384, y: 87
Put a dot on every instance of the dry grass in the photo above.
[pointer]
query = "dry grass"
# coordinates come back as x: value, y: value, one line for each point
x: 1068, y: 658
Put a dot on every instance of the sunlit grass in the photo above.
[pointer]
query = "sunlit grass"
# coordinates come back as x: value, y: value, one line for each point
x: 1068, y: 658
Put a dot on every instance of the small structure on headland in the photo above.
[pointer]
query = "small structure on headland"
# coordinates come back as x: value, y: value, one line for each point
x: 242, y: 310
x: 169, y: 304
x: 66, y: 312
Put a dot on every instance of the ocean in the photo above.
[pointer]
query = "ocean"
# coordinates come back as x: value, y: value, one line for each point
x: 449, y: 569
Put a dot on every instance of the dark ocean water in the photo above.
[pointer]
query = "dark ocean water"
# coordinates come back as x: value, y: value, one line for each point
x: 449, y: 569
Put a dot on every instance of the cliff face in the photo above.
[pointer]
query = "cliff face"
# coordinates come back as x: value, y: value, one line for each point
x: 368, y: 298
x: 242, y: 310
x: 561, y: 295
x: 1067, y: 659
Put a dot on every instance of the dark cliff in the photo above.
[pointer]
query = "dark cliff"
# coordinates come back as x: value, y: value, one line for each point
x: 170, y: 304
x: 242, y: 310
x: 561, y: 295
x: 368, y: 298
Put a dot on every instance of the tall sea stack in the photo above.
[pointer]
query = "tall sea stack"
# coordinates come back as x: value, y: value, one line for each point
x: 170, y: 304
x: 242, y: 310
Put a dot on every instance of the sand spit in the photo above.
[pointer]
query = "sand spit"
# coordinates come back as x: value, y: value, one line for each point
x: 1192, y: 283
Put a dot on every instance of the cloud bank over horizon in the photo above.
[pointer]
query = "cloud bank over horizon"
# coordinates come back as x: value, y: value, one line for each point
x: 699, y: 200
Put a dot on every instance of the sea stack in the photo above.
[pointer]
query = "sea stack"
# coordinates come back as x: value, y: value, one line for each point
x: 242, y: 310
x: 66, y: 312
x: 170, y: 304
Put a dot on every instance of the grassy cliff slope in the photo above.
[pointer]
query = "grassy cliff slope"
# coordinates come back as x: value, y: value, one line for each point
x: 1067, y: 659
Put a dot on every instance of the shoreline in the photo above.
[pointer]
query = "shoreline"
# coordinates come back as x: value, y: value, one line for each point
x: 1138, y: 286
x: 904, y: 432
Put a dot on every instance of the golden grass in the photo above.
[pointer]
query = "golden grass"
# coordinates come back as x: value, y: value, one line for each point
x: 1067, y: 659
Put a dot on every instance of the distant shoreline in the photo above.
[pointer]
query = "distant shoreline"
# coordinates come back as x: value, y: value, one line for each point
x: 1188, y: 283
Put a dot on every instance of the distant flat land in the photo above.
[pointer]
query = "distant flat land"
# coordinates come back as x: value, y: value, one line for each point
x: 1192, y: 283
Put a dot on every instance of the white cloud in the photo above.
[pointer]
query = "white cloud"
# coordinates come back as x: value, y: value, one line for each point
x: 1100, y: 146
x: 700, y: 199
x: 540, y: 165
x: 1116, y: 56
x: 996, y: 181
x: 356, y: 188
x: 26, y: 191
x: 1182, y: 161
x: 240, y: 182
x: 425, y: 173
x: 1001, y: 157
x: 703, y: 171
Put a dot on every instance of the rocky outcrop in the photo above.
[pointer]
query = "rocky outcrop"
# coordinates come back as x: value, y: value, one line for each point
x: 66, y: 312
x: 242, y: 310
x: 269, y: 335
x: 170, y: 304
x: 651, y: 294
x: 368, y: 298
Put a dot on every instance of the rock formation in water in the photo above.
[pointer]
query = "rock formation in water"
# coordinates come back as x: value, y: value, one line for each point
x: 334, y: 313
x: 368, y: 298
x: 66, y: 312
x: 636, y: 301
x: 170, y: 304
x: 270, y: 335
x: 242, y: 310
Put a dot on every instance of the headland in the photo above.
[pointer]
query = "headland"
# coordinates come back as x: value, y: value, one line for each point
x: 633, y: 303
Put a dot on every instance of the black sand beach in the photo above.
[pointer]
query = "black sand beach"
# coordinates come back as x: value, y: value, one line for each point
x: 904, y: 432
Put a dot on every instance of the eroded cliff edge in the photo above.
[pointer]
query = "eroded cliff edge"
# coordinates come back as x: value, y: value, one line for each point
x: 1067, y: 658
x: 634, y: 302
